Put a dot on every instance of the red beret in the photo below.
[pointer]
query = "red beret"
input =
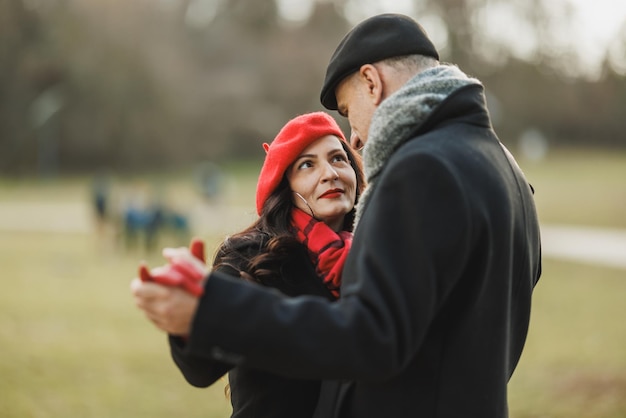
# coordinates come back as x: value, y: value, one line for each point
x: 292, y: 139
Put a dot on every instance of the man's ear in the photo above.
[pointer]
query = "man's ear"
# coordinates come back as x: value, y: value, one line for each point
x: 373, y: 81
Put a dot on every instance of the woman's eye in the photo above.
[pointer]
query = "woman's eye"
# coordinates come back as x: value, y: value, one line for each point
x: 339, y: 158
x: 305, y: 164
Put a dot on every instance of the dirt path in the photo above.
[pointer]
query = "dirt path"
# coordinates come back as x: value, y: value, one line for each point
x: 581, y: 244
x: 585, y: 244
x: 77, y: 217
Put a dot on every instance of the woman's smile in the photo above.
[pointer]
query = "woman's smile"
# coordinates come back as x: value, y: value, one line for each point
x: 332, y: 194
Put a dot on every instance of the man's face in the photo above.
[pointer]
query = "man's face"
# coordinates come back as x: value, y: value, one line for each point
x: 354, y: 103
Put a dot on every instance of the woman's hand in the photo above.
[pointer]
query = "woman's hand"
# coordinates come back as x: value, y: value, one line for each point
x: 186, y: 268
x: 169, y: 294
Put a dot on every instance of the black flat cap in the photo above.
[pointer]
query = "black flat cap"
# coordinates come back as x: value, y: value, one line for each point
x: 375, y: 39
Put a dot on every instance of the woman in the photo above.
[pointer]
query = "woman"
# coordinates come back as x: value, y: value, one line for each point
x: 305, y: 199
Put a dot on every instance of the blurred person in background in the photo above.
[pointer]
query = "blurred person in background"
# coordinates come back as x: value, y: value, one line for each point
x: 306, y: 195
x: 101, y: 201
x: 436, y: 291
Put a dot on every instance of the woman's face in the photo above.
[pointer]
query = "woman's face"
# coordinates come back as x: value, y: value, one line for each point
x: 323, y: 177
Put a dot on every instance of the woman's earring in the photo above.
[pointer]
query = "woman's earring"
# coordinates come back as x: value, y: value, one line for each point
x: 306, y: 203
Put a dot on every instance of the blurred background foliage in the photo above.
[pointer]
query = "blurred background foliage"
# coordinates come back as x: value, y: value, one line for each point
x: 133, y: 85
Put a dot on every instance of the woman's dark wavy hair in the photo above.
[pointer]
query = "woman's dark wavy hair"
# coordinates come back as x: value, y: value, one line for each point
x: 272, y: 232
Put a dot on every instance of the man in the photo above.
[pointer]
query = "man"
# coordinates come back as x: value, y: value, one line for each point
x: 436, y: 295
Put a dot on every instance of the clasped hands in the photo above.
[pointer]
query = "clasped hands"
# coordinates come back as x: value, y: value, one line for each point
x: 169, y: 294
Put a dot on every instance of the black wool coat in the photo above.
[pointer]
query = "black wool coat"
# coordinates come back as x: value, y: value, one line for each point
x: 436, y: 294
x: 256, y: 393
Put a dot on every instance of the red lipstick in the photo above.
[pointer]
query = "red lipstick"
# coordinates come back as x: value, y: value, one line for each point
x: 331, y: 194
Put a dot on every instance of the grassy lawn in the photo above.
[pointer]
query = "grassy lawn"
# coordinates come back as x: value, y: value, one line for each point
x: 574, y: 363
x: 580, y: 187
x: 74, y: 345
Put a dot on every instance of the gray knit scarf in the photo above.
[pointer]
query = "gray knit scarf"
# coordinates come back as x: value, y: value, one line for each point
x: 400, y: 114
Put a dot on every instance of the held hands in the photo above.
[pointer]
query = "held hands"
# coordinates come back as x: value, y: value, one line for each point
x: 168, y: 295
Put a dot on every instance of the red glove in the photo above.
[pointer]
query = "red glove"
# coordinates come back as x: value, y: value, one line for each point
x: 197, y: 249
x: 181, y: 274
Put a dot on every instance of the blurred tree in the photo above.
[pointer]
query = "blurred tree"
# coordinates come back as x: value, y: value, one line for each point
x: 536, y: 78
x: 483, y: 35
x: 27, y: 69
x: 143, y: 85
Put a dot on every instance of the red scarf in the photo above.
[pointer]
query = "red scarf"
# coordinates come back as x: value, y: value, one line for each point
x: 328, y: 249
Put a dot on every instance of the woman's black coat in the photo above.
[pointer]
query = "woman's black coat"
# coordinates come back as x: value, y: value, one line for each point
x: 255, y: 393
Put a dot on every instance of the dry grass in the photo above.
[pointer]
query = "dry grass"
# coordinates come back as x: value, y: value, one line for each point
x: 73, y: 343
x: 574, y: 363
x: 583, y: 187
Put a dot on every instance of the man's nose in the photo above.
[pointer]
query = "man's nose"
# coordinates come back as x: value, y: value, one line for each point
x: 355, y: 141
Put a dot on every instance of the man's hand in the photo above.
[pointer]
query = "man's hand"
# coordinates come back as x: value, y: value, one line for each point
x: 171, y: 309
x: 169, y: 294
